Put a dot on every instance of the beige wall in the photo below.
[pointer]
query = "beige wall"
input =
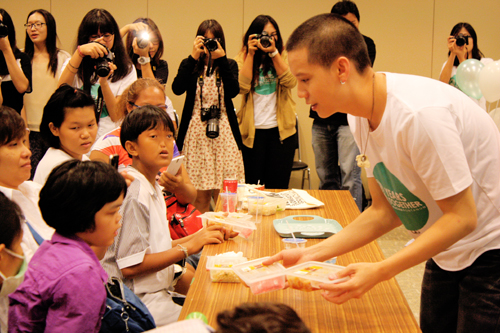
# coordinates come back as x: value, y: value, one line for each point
x: 410, y: 35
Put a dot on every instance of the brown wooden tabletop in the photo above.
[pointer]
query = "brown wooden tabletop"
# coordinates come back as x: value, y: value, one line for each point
x: 382, y: 309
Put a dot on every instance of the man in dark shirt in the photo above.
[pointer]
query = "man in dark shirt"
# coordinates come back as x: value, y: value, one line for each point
x: 334, y: 147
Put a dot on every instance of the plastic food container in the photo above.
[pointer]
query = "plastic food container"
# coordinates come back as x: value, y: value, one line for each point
x: 309, y: 275
x: 291, y: 243
x: 260, y: 278
x: 220, y: 268
x: 280, y: 203
x: 233, y: 221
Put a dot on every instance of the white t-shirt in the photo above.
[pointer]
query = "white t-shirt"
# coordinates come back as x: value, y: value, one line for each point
x: 118, y: 87
x: 264, y: 100
x: 52, y: 158
x: 453, y: 81
x: 144, y: 230
x: 432, y: 143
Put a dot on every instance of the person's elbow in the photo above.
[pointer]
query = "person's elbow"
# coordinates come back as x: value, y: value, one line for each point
x: 131, y: 272
x: 23, y: 86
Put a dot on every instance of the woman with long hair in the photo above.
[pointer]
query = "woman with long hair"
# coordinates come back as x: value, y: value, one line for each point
x: 100, y: 66
x: 15, y: 66
x: 267, y: 114
x: 462, y: 45
x: 209, y: 135
x: 46, y: 62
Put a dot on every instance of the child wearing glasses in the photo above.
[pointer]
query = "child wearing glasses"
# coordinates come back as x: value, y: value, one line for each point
x: 99, y: 38
x: 462, y: 45
x: 63, y: 289
x: 46, y: 63
x: 15, y: 67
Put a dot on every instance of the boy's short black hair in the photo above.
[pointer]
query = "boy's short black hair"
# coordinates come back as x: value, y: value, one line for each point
x: 55, y: 110
x: 327, y: 37
x: 261, y: 317
x: 10, y: 221
x: 345, y: 7
x: 75, y: 191
x: 142, y: 119
x: 12, y: 126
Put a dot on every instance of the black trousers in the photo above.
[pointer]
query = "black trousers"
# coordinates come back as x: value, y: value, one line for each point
x: 270, y: 160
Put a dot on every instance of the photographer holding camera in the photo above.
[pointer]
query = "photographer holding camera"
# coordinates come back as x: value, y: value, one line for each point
x: 15, y: 66
x: 100, y: 66
x: 209, y: 136
x: 267, y: 113
x: 462, y: 45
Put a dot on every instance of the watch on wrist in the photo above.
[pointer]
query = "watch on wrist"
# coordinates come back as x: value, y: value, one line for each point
x: 273, y: 54
x: 143, y: 60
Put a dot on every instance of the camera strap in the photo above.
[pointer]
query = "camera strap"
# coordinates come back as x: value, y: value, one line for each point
x: 201, y: 82
x: 100, y: 101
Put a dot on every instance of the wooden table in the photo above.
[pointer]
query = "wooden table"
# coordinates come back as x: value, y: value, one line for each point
x: 382, y: 309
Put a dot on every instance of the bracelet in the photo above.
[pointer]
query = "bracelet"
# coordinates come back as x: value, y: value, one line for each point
x: 69, y: 63
x: 183, y: 249
x: 71, y: 70
x: 80, y: 52
x: 272, y: 55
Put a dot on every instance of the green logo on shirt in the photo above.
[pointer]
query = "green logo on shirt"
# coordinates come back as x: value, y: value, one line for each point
x: 412, y: 211
x: 267, y: 83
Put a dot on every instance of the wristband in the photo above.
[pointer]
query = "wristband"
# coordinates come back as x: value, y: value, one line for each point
x: 183, y: 249
x: 80, y: 52
x: 69, y: 63
x: 272, y: 55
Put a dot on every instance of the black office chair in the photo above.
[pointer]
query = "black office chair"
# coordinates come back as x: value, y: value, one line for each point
x: 299, y: 165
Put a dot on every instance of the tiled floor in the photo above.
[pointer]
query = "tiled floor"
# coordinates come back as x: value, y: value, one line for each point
x: 410, y: 280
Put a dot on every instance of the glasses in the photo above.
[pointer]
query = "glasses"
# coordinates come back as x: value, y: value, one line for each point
x: 161, y: 106
x: 155, y: 41
x: 106, y: 37
x: 36, y: 25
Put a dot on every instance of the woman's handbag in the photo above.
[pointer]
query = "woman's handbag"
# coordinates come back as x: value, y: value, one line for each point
x: 183, y: 220
x: 125, y: 312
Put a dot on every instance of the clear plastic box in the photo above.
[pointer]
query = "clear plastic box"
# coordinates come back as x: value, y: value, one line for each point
x: 309, y: 275
x: 220, y: 268
x: 261, y: 278
x: 233, y: 221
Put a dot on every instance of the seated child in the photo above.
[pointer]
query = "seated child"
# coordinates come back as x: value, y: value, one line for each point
x: 143, y: 253
x: 259, y: 318
x: 63, y: 289
x: 69, y: 128
x: 12, y: 260
x: 142, y: 92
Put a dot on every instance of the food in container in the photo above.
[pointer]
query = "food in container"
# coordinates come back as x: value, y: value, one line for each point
x: 261, y: 278
x: 309, y: 275
x: 220, y: 268
x: 232, y: 221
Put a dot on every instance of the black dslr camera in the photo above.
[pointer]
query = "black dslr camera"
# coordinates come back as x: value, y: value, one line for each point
x: 211, y: 115
x: 461, y: 40
x: 4, y: 31
x: 210, y: 44
x: 101, y: 64
x: 265, y: 39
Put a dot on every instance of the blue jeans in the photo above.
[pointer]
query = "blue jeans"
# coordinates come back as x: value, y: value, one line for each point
x: 335, y: 154
x: 462, y: 301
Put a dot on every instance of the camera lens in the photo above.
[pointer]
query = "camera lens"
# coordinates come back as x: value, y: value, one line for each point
x: 4, y: 31
x: 102, y: 67
x: 213, y: 128
x: 265, y: 41
x: 142, y: 39
x: 211, y: 44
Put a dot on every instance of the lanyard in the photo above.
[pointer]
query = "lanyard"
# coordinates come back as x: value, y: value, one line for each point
x: 201, y: 82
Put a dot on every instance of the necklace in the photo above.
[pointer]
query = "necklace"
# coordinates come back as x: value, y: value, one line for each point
x: 362, y: 159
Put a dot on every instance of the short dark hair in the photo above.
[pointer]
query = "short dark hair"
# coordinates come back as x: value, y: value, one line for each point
x: 261, y: 58
x: 476, y: 53
x: 10, y: 223
x: 55, y: 110
x: 142, y: 119
x: 260, y: 317
x: 345, y: 7
x: 75, y: 191
x: 7, y: 20
x: 50, y: 42
x: 12, y: 126
x: 327, y: 37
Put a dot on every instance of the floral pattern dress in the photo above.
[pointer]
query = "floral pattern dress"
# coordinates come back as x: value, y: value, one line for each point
x: 210, y: 161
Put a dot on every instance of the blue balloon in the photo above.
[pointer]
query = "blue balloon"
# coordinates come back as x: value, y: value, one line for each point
x: 468, y: 77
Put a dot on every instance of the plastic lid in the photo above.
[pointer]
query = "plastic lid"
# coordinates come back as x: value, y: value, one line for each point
x: 316, y: 271
x: 253, y: 271
x: 223, y: 263
x: 294, y: 241
x: 234, y: 219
